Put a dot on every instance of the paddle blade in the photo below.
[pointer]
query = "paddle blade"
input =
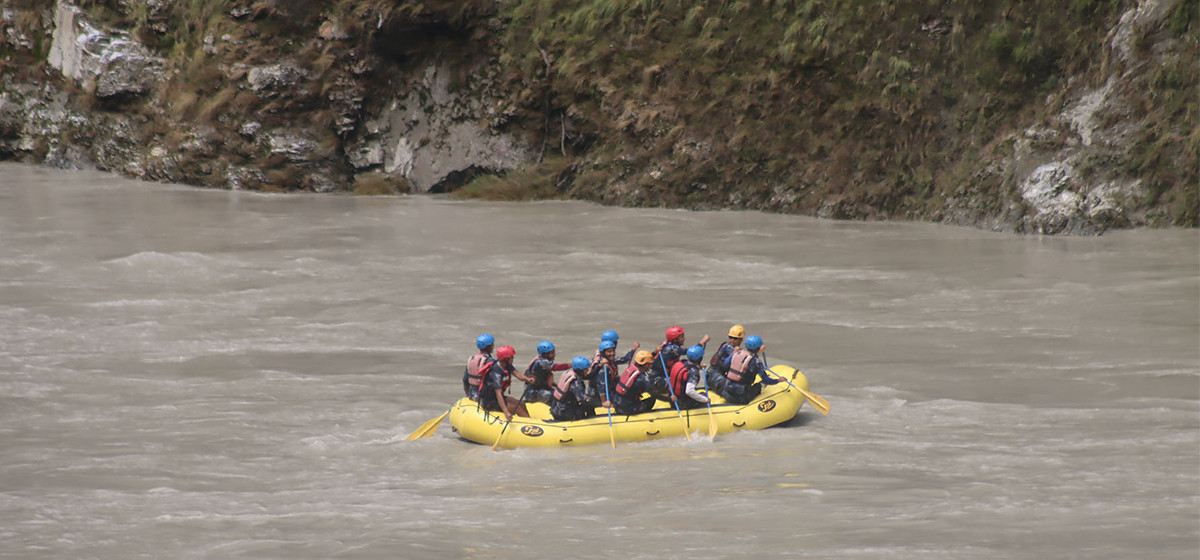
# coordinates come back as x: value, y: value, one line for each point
x: 817, y: 402
x: 712, y: 424
x: 496, y: 446
x: 427, y: 429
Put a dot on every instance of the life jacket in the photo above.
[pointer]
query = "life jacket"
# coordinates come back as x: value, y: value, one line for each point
x: 679, y: 375
x: 718, y: 358
x: 627, y: 378
x: 564, y: 385
x: 544, y: 382
x: 477, y: 367
x: 738, y: 363
x: 507, y: 377
x: 602, y: 378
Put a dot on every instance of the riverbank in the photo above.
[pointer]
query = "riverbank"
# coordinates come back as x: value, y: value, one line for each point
x: 1025, y: 117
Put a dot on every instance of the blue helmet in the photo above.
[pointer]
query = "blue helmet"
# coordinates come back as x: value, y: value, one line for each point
x: 580, y: 363
x: 545, y: 347
x: 753, y: 342
x: 607, y: 344
x: 610, y: 335
x: 484, y: 341
x: 696, y: 353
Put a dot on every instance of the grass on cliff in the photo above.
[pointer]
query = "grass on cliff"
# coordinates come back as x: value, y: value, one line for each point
x: 536, y: 181
x: 889, y: 107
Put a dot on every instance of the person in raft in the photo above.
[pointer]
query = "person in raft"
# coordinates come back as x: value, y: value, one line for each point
x: 477, y: 366
x: 602, y: 375
x: 612, y: 336
x: 685, y: 375
x: 720, y: 359
x: 539, y: 375
x: 570, y: 393
x: 496, y: 382
x: 739, y: 386
x: 670, y: 350
x: 634, y: 381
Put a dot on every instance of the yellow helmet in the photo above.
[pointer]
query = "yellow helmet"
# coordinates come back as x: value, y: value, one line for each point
x: 643, y: 358
x: 737, y: 331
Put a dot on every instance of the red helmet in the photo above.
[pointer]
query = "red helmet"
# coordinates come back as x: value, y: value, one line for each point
x: 674, y: 332
x: 505, y: 352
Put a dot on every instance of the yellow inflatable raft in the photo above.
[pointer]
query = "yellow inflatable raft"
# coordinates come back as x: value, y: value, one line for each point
x: 778, y: 403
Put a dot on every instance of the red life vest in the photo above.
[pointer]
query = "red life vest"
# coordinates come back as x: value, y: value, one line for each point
x: 627, y: 378
x: 738, y: 364
x: 564, y: 385
x: 477, y: 367
x: 679, y: 375
x: 506, y: 378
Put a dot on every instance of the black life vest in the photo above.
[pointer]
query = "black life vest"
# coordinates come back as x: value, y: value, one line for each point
x: 544, y: 381
x: 718, y: 358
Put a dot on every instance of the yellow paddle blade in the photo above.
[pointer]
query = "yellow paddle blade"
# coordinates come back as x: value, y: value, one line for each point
x: 817, y: 402
x: 712, y: 424
x: 429, y: 427
x: 496, y: 446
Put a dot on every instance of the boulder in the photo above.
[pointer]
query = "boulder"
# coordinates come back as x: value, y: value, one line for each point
x: 437, y: 132
x: 106, y: 63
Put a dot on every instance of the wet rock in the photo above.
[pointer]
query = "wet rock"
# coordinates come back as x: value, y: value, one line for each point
x: 332, y: 30
x: 274, y: 78
x: 1047, y: 191
x: 11, y: 34
x: 437, y: 132
x: 106, y: 63
x: 249, y: 129
x: 238, y: 178
x: 291, y: 145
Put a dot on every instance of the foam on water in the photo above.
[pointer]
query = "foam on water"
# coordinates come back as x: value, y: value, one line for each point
x: 197, y: 374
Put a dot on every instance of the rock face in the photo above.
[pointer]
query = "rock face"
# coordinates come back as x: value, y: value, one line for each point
x: 434, y: 133
x: 1045, y: 161
x: 321, y: 96
x: 105, y: 63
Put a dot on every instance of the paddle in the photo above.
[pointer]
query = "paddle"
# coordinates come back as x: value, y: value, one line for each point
x: 712, y: 420
x: 817, y: 402
x: 496, y: 445
x: 612, y: 436
x: 429, y: 427
x: 667, y: 374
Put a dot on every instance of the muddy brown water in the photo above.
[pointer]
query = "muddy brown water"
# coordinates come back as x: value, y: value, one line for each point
x: 200, y: 374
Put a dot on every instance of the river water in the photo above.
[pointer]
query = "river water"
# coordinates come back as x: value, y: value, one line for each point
x: 203, y: 374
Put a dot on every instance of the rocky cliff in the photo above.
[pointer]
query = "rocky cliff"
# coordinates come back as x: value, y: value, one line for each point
x: 1028, y: 117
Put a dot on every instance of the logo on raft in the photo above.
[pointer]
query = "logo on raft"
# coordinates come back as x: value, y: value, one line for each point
x: 531, y: 431
x: 766, y: 406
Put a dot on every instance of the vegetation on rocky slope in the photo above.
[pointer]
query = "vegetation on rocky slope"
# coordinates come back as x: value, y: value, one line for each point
x: 839, y: 108
x: 847, y: 108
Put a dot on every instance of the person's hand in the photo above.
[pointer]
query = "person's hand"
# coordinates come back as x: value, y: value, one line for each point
x: 508, y: 417
x: 606, y: 404
x: 637, y: 345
